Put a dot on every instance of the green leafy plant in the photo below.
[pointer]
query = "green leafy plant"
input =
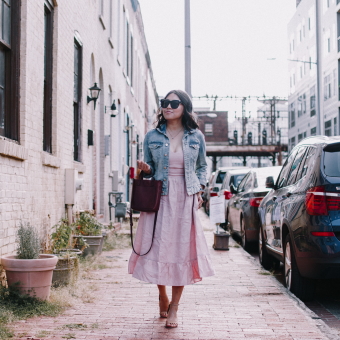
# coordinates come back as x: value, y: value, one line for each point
x: 61, y: 238
x: 29, y: 244
x: 87, y: 225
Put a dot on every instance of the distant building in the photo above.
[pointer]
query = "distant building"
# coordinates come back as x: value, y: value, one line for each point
x: 57, y: 152
x: 303, y: 94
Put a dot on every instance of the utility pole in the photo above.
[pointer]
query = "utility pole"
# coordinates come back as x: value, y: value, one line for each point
x: 244, y: 120
x: 187, y: 48
x: 318, y: 33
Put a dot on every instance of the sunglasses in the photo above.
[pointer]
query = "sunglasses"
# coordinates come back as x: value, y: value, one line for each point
x: 173, y: 103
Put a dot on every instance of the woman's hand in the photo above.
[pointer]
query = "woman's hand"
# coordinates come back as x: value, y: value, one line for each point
x: 144, y: 167
x: 200, y: 200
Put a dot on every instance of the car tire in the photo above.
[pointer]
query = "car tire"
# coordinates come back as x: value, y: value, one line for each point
x: 301, y: 286
x: 267, y: 261
x: 245, y: 244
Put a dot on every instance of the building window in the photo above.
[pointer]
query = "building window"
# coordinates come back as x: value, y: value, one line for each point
x: 312, y: 101
x: 328, y: 128
x: 338, y: 29
x: 292, y: 143
x: 300, y: 137
x: 127, y: 48
x: 77, y: 100
x: 9, y: 68
x: 131, y: 61
x: 292, y: 115
x: 48, y: 53
x: 299, y: 106
x: 309, y: 24
x: 335, y: 126
x: 208, y: 129
x: 327, y: 87
x: 313, y: 131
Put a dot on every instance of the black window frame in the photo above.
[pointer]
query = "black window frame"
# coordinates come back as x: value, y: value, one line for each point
x: 48, y: 77
x: 77, y: 97
x: 11, y: 65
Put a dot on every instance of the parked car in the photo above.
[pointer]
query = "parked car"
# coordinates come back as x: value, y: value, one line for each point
x: 206, y: 190
x: 232, y: 177
x: 242, y: 212
x: 214, y: 185
x: 300, y: 217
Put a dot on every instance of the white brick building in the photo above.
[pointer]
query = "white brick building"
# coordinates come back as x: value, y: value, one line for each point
x: 44, y: 114
x: 303, y: 30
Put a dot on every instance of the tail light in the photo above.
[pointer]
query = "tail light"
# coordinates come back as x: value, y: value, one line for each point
x: 322, y: 233
x: 255, y: 202
x: 213, y: 193
x: 319, y: 202
x: 228, y: 195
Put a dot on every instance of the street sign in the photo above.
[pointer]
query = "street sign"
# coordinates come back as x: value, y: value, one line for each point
x: 216, y: 208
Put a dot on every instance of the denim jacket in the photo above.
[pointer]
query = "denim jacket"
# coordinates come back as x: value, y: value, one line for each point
x: 156, y: 154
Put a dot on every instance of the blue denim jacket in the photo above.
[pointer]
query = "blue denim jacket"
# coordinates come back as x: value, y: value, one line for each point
x: 156, y: 155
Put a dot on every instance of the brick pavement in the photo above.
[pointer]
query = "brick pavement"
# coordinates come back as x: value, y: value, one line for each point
x: 241, y: 302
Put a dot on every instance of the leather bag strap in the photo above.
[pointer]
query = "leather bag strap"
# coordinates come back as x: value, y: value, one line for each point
x: 154, y: 227
x: 153, y: 233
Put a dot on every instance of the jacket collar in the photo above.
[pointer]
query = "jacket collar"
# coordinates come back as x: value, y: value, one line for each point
x: 162, y: 129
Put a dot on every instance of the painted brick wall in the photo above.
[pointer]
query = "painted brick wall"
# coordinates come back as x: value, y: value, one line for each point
x: 32, y: 189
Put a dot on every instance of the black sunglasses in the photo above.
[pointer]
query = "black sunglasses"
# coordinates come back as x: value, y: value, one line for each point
x: 173, y: 103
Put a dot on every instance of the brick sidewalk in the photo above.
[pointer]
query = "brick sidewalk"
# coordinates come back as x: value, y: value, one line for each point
x: 240, y: 302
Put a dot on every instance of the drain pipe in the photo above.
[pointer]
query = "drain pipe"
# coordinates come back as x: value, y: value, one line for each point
x: 69, y: 213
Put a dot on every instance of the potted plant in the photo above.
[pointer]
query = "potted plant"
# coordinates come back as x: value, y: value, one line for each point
x: 67, y: 268
x: 88, y: 230
x: 29, y: 271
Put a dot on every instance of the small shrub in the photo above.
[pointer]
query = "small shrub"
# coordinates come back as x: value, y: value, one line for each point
x: 87, y: 225
x: 28, y: 242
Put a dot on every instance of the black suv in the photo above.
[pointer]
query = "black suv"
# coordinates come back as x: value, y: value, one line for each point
x: 300, y: 216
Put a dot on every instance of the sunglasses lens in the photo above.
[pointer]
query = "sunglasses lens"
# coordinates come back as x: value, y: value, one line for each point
x: 174, y: 104
x: 165, y: 103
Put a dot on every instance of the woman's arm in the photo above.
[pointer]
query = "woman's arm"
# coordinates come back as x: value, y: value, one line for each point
x: 201, y: 163
x: 148, y: 157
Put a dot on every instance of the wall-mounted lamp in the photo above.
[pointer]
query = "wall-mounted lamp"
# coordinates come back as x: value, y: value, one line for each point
x: 113, y: 109
x: 95, y: 90
x: 128, y: 127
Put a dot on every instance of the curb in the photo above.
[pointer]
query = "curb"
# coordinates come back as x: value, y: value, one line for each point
x: 314, y: 319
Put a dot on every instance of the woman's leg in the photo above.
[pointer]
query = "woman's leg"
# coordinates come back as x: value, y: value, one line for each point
x: 172, y: 316
x: 163, y: 301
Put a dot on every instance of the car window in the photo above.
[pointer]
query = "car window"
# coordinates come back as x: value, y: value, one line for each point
x: 306, y: 163
x: 220, y: 177
x: 296, y: 165
x: 249, y: 182
x: 331, y: 160
x: 236, y: 179
x: 242, y: 183
x: 262, y: 174
x: 283, y: 177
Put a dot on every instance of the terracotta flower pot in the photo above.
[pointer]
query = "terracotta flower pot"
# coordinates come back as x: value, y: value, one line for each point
x: 32, y: 277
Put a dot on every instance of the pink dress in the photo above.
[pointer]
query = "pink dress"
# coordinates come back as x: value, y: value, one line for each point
x: 179, y: 255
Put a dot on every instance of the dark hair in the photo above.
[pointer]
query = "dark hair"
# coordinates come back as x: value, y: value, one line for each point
x: 189, y: 120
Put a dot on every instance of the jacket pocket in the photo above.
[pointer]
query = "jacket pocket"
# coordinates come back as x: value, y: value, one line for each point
x: 155, y: 149
x: 194, y: 149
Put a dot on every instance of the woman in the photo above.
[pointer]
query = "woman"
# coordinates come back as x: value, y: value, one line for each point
x: 174, y: 152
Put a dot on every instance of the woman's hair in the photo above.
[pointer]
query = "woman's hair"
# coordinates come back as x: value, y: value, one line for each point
x: 189, y: 120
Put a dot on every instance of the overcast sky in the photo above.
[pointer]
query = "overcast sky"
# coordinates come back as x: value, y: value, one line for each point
x: 231, y: 41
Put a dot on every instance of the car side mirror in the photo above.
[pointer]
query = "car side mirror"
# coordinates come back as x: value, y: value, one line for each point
x: 233, y: 190
x: 270, y: 182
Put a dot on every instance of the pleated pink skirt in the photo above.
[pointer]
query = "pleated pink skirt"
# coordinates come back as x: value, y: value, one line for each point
x: 179, y: 255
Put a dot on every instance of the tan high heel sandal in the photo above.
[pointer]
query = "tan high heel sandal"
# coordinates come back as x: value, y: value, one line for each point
x: 169, y: 324
x: 163, y: 314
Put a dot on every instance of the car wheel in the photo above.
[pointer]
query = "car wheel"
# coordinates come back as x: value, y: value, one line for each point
x: 245, y: 243
x: 206, y: 207
x: 267, y: 261
x: 302, y: 287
